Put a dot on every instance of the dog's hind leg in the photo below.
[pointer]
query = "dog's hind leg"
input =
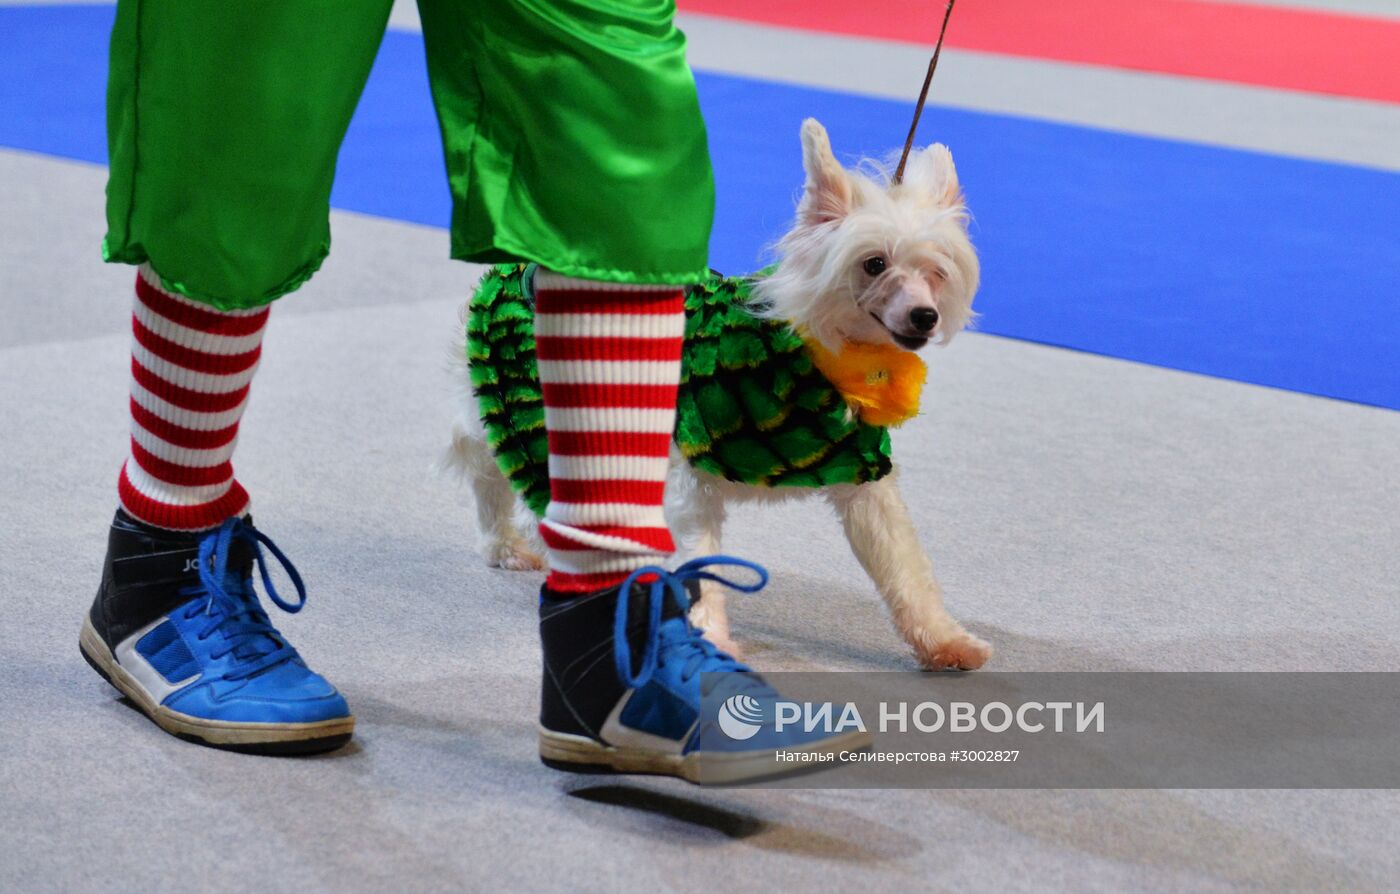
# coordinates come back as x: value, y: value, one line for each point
x: 695, y: 512
x: 883, y: 538
x: 501, y: 543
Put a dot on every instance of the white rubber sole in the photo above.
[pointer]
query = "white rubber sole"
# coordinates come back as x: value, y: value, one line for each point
x: 582, y: 754
x: 263, y: 738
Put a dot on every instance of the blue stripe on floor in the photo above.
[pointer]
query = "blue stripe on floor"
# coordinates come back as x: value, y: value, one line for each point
x: 1233, y: 264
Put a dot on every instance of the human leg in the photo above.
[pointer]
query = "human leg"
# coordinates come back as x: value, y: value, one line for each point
x: 224, y: 122
x: 574, y: 140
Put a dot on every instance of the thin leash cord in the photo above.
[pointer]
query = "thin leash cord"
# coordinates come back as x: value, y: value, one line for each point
x: 923, y: 94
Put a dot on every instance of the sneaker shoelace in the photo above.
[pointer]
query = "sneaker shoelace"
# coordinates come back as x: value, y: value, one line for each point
x: 231, y: 604
x: 675, y: 640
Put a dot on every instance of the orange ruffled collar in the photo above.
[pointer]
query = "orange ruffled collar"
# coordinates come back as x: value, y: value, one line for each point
x: 881, y: 382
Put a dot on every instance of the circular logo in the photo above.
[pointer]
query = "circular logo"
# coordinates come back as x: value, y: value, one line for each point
x: 740, y: 716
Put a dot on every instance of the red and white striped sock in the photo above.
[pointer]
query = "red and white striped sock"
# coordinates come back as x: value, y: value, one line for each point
x: 610, y: 361
x: 190, y: 369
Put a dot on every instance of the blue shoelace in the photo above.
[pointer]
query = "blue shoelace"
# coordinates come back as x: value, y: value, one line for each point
x: 231, y: 604
x: 681, y: 641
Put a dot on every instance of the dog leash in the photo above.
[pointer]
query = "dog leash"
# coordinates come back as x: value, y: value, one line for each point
x: 923, y: 94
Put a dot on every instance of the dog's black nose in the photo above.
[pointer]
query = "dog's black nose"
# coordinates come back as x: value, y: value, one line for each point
x: 923, y: 318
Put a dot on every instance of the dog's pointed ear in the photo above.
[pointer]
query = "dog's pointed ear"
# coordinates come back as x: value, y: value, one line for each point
x: 827, y: 195
x: 934, y: 175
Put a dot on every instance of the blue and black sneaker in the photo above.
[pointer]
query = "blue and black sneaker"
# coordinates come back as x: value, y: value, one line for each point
x: 178, y: 629
x: 626, y: 682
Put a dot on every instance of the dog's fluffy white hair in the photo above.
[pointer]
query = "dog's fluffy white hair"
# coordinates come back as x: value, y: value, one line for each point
x: 845, y: 217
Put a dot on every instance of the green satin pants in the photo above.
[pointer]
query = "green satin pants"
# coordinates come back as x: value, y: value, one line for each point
x: 571, y: 130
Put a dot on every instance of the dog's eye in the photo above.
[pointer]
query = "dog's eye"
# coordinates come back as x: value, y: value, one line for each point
x: 874, y: 266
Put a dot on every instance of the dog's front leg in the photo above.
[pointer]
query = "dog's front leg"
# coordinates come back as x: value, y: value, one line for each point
x: 695, y: 512
x: 883, y: 538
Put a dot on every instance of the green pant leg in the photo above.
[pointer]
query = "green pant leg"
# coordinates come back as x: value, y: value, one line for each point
x: 224, y: 120
x: 573, y: 136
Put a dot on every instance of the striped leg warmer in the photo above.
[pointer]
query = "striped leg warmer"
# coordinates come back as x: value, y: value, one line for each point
x: 609, y: 361
x: 190, y: 369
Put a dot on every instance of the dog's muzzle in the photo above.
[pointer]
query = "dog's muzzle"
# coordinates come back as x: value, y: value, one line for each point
x: 908, y: 342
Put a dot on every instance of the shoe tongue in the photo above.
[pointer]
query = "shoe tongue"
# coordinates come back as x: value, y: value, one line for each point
x: 639, y: 606
x: 240, y: 558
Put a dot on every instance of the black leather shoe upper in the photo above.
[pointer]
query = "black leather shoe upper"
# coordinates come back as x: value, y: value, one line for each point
x: 581, y: 686
x: 144, y: 572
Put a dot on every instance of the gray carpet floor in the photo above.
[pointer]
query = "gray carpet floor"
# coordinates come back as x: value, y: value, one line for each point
x: 1085, y: 514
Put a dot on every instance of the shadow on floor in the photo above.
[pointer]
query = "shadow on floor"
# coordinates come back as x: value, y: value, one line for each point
x: 859, y: 840
x: 729, y: 823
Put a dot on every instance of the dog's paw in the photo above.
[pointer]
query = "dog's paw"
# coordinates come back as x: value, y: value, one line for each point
x: 961, y: 652
x: 512, y: 556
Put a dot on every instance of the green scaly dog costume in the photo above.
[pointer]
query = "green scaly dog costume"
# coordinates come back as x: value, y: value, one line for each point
x: 753, y: 406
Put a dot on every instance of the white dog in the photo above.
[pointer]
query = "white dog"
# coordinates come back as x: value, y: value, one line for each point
x: 867, y: 262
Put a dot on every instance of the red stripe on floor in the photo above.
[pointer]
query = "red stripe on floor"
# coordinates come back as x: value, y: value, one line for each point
x: 1293, y: 49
